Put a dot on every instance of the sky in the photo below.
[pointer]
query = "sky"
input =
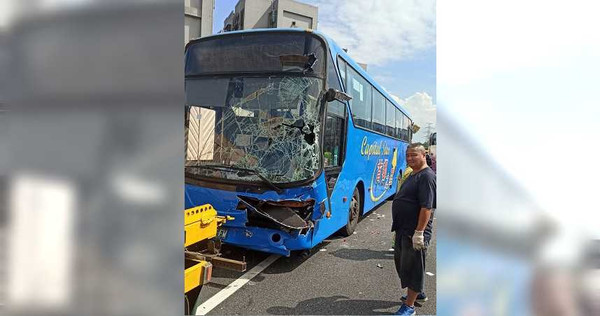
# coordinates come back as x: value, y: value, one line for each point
x: 525, y: 91
x: 396, y: 39
x: 519, y: 80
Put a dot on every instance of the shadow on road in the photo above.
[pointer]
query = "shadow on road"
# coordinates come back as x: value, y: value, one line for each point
x: 362, y: 254
x: 288, y: 264
x: 335, y: 305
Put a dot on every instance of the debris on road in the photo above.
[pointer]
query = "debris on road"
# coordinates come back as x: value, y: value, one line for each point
x: 391, y: 249
x: 379, y: 266
x: 429, y: 273
x: 322, y: 249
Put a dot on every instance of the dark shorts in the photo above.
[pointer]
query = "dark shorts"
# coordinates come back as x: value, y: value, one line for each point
x: 410, y: 263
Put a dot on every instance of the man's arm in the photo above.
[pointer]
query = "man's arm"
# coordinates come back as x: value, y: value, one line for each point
x: 424, y: 216
x: 418, y: 239
x: 426, y: 197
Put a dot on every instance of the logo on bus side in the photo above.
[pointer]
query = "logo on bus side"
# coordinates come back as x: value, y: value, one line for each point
x: 382, y: 178
x: 374, y: 149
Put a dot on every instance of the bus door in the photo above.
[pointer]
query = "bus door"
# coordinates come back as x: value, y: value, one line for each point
x: 333, y: 145
x: 334, y: 134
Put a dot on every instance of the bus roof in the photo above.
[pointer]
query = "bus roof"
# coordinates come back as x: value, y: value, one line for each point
x: 333, y: 48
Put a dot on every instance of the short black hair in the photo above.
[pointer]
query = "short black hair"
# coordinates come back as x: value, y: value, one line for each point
x: 417, y: 146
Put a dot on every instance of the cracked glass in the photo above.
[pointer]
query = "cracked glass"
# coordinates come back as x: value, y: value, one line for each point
x: 253, y: 106
x: 267, y: 125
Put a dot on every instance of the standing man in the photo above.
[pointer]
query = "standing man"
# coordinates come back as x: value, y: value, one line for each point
x: 412, y: 221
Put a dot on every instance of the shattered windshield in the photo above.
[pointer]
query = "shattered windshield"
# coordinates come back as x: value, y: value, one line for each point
x: 268, y: 124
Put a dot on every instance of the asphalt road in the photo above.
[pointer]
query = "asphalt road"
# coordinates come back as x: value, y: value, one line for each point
x: 342, y: 276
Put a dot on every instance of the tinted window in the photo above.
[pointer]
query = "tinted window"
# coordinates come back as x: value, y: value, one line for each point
x: 335, y: 107
x: 390, y: 121
x: 332, y: 77
x: 405, y: 126
x: 342, y: 68
x: 378, y: 112
x: 256, y: 52
x: 332, y: 145
x: 399, y: 121
x: 360, y: 105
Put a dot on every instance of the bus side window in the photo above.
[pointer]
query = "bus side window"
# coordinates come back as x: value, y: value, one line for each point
x: 398, y: 133
x: 406, y: 129
x: 342, y: 68
x: 334, y: 124
x: 332, y: 146
x: 378, y: 112
x: 334, y: 134
x: 360, y: 104
x: 390, y: 119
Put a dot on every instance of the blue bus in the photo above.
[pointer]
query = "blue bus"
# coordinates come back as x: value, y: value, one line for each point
x: 289, y: 136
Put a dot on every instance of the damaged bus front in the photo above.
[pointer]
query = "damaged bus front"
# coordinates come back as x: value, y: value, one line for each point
x: 254, y: 108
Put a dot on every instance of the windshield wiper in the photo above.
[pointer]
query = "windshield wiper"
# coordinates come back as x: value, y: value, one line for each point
x: 232, y: 168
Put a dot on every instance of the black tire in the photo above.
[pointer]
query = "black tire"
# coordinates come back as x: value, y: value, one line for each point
x: 353, y: 214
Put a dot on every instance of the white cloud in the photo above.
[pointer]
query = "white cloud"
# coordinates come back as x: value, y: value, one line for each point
x: 379, y: 31
x: 420, y: 106
x: 511, y: 35
x: 384, y: 80
x: 521, y: 78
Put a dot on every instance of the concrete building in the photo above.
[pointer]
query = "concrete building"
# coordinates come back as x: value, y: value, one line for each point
x: 253, y: 14
x: 198, y: 18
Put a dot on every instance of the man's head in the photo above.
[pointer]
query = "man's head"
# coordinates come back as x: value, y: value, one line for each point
x: 415, y: 156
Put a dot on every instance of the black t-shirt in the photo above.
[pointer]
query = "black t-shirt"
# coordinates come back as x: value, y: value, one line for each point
x: 416, y: 192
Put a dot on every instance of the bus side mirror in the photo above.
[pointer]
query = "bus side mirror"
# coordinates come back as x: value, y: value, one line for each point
x: 333, y: 94
x: 415, y: 128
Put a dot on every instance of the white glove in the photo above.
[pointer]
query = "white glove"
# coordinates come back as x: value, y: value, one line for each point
x: 418, y: 240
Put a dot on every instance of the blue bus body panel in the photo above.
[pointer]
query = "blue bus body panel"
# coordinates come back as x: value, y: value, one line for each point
x: 257, y: 238
x: 376, y: 161
x: 372, y: 162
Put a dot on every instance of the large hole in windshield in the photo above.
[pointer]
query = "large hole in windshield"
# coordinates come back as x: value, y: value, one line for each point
x: 253, y: 128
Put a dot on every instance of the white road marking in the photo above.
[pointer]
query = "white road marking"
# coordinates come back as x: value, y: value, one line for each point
x: 234, y: 286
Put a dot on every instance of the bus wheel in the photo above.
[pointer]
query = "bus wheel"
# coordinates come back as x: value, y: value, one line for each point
x: 353, y: 214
